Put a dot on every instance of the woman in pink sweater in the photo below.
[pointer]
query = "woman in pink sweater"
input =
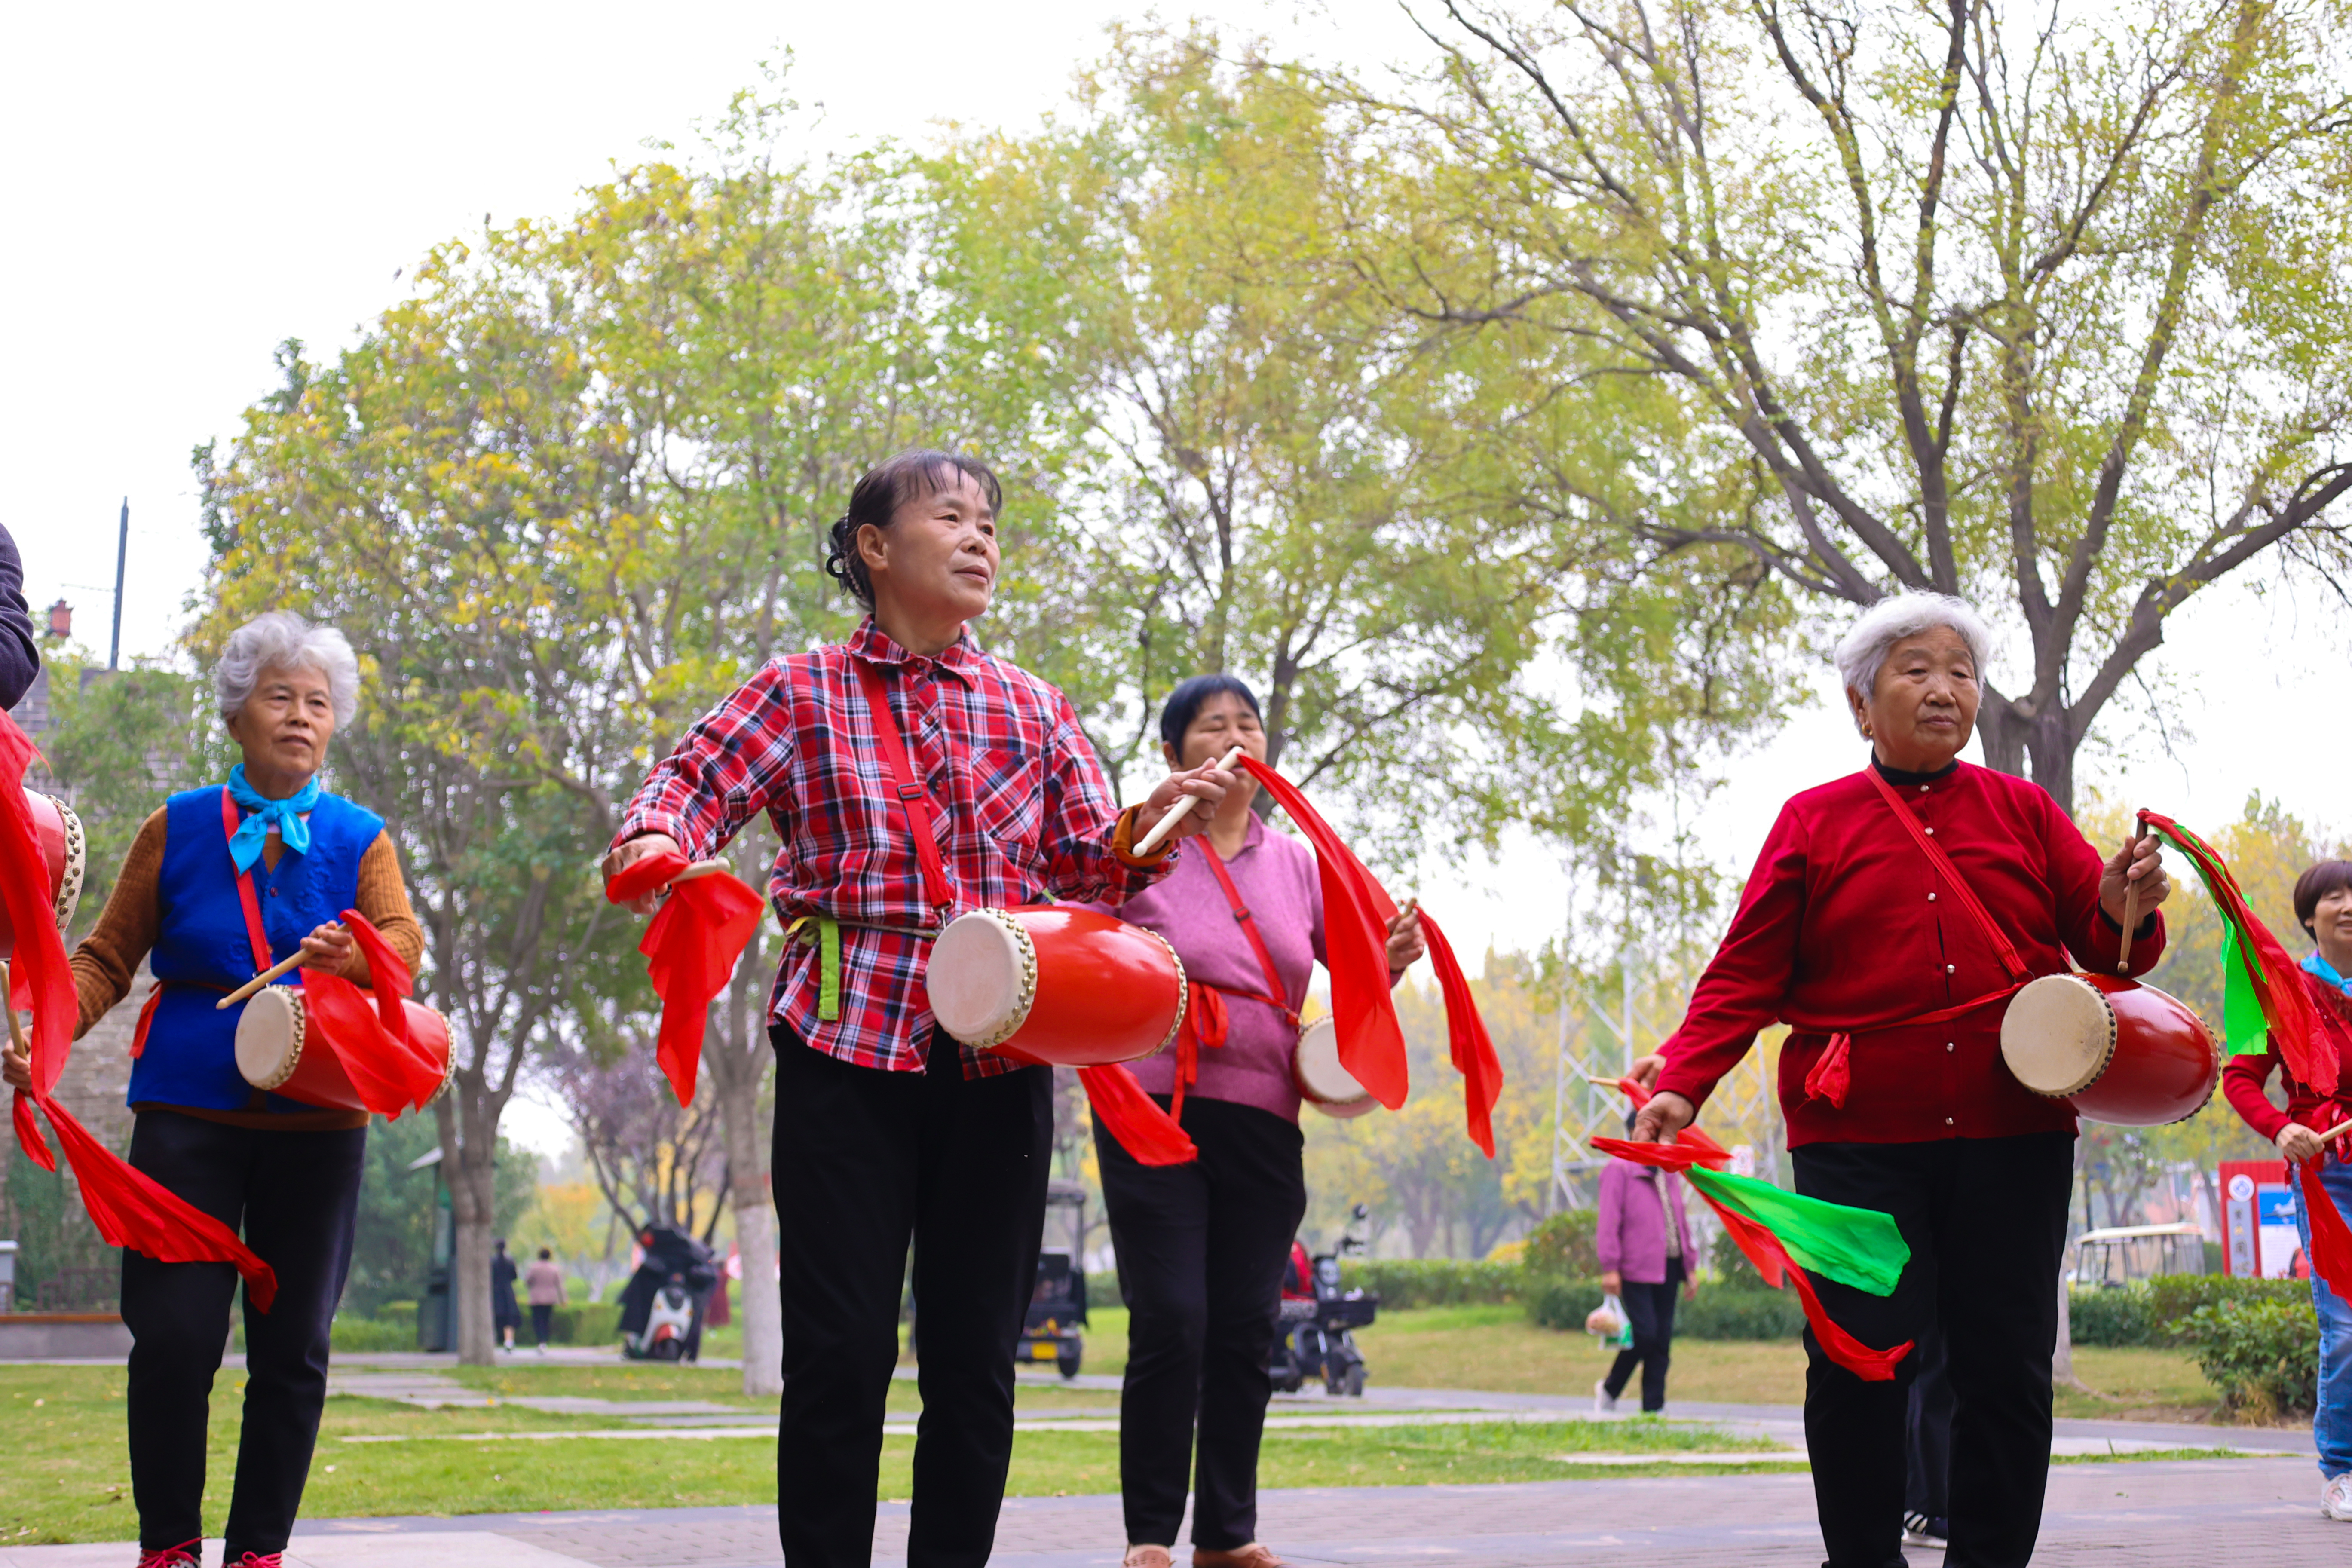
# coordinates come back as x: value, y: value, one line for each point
x: 1201, y: 1246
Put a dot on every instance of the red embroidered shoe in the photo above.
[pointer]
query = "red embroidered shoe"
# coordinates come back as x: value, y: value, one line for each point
x: 184, y: 1555
x: 255, y: 1560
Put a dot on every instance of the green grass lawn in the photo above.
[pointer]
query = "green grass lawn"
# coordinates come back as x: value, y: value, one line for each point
x: 67, y: 1480
x: 1494, y: 1347
x: 69, y: 1475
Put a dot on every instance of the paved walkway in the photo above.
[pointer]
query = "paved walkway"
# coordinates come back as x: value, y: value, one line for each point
x: 2151, y: 1513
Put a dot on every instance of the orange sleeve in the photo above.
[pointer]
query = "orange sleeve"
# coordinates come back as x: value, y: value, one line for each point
x: 383, y: 897
x: 108, y: 957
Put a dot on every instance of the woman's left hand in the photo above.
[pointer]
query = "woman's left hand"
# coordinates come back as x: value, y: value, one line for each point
x: 15, y: 1067
x: 1406, y: 945
x: 1690, y: 1288
x: 2138, y: 864
x: 328, y: 948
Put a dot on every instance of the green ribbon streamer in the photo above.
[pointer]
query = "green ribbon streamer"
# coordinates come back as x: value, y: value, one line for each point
x: 2245, y: 1032
x: 824, y: 934
x: 1861, y: 1247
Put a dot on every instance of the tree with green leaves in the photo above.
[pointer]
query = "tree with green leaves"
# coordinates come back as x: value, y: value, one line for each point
x: 2046, y: 310
x: 1261, y: 466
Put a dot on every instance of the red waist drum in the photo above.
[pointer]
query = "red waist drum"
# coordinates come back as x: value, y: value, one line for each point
x: 277, y: 1050
x: 64, y: 859
x: 1056, y: 986
x: 2118, y: 1051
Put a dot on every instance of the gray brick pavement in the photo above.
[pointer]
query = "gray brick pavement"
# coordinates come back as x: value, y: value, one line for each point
x: 2159, y: 1515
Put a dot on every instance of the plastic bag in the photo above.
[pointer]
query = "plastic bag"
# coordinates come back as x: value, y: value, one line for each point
x: 1609, y: 1323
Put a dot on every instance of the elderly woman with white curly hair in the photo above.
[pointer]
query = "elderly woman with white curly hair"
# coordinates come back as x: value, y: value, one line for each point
x: 1890, y: 915
x: 220, y: 883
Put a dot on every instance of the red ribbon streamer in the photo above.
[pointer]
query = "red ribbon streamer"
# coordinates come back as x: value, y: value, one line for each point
x: 1135, y: 1118
x: 1356, y: 913
x: 691, y: 949
x: 1205, y: 1023
x: 1763, y: 1249
x: 2331, y: 1238
x: 130, y: 1208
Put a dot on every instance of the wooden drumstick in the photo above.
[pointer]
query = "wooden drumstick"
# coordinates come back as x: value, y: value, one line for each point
x: 1180, y: 810
x: 253, y: 987
x: 2131, y: 905
x: 15, y: 1029
x: 2335, y: 1131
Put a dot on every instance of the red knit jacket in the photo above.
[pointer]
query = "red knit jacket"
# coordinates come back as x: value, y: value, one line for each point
x: 1844, y: 925
x: 2243, y: 1077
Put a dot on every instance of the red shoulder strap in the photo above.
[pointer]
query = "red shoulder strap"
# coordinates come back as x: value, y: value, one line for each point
x: 246, y: 895
x: 906, y: 785
x: 1951, y: 875
x: 1274, y: 990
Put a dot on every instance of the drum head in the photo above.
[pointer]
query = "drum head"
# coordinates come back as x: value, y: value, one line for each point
x: 1322, y: 1081
x: 2058, y: 1035
x: 269, y: 1037
x: 983, y: 978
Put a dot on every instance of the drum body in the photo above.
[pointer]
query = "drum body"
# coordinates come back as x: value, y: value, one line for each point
x: 2119, y: 1051
x: 65, y: 857
x: 1056, y: 986
x: 276, y: 1051
x: 1322, y: 1082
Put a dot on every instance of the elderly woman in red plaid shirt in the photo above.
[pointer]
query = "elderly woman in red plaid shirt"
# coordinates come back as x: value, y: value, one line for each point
x: 886, y: 1131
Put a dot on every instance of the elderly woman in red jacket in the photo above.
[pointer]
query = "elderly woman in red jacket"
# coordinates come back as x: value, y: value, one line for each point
x: 1851, y: 931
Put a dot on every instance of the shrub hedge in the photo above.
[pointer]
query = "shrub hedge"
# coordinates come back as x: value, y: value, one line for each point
x: 1403, y: 1282
x: 2261, y: 1355
x: 1555, y: 1303
x: 1563, y: 1247
x: 349, y: 1332
x: 1730, y: 1312
x: 2158, y: 1311
x: 581, y: 1323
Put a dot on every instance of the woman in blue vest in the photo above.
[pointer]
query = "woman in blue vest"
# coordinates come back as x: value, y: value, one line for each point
x: 219, y: 884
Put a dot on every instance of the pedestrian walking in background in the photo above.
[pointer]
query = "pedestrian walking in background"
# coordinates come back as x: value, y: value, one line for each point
x: 1642, y: 1236
x: 505, y: 1316
x: 542, y: 1285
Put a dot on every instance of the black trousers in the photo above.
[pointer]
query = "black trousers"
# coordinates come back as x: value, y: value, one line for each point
x: 295, y: 1196
x: 1201, y: 1248
x: 1650, y: 1309
x: 864, y: 1162
x: 1986, y: 1221
x: 543, y: 1320
x: 1928, y: 1488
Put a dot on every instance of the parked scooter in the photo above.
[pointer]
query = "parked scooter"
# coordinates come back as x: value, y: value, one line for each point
x: 1318, y: 1319
x: 661, y: 1310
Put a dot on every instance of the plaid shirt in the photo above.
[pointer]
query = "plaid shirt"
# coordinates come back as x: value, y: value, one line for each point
x: 1019, y: 804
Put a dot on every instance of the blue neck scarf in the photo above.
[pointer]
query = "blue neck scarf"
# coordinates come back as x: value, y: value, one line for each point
x: 245, y: 845
x: 2326, y: 971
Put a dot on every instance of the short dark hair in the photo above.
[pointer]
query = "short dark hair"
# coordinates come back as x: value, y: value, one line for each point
x: 879, y: 494
x: 1184, y: 703
x: 544, y: 1255
x: 2314, y: 885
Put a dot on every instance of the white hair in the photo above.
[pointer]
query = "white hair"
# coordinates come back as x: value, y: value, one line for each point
x: 1864, y: 649
x: 284, y: 640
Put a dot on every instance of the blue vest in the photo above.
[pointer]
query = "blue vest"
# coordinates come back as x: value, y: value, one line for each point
x: 203, y: 949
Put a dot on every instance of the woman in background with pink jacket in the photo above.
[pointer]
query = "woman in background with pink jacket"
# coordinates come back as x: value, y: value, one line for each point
x: 1642, y: 1236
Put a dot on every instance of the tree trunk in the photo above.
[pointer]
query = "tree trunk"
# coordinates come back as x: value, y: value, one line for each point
x: 469, y: 1165
x: 737, y: 1069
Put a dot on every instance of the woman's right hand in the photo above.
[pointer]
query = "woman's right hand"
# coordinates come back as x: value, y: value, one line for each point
x: 1646, y: 1070
x: 15, y: 1067
x: 629, y: 854
x: 1666, y: 1114
x: 1612, y: 1282
x: 2297, y: 1141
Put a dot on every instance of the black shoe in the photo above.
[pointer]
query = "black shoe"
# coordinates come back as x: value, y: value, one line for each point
x: 1919, y: 1529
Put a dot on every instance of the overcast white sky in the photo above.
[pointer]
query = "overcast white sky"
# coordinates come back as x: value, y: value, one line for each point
x: 194, y: 184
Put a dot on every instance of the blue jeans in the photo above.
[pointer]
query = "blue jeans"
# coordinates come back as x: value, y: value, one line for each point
x: 2331, y: 1424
